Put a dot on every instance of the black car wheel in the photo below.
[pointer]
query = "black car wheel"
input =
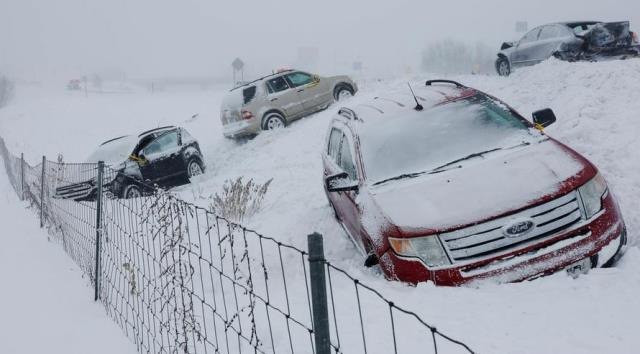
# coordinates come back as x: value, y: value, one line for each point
x: 503, y: 67
x: 194, y: 168
x: 132, y: 191
x: 273, y: 121
x: 342, y: 92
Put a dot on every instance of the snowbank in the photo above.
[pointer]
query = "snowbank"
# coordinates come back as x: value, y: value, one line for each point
x: 45, y: 304
x: 596, y: 105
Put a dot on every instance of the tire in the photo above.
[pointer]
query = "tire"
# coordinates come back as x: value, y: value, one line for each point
x: 503, y: 67
x: 194, y: 168
x: 131, y: 191
x: 342, y: 92
x: 273, y: 121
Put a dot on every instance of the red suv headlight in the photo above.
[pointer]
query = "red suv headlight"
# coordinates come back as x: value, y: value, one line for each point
x: 428, y: 249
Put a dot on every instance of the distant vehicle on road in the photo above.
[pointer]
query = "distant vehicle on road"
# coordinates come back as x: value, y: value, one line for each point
x: 166, y: 157
x: 74, y: 85
x: 571, y: 41
x: 463, y: 188
x: 276, y: 100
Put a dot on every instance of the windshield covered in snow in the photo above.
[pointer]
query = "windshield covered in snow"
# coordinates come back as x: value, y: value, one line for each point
x: 114, y: 151
x: 582, y: 28
x: 421, y: 142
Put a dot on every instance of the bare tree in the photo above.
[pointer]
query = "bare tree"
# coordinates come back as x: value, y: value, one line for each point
x: 6, y: 90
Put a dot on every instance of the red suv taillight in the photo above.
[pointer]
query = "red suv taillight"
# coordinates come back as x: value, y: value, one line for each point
x: 247, y: 115
x: 634, y: 37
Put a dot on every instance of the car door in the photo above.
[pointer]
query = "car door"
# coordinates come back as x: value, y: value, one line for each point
x: 313, y: 90
x: 163, y: 159
x: 523, y: 54
x: 550, y: 39
x: 283, y: 97
x: 341, y: 159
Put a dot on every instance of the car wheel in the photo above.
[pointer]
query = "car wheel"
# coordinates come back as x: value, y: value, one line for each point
x: 503, y: 67
x: 132, y: 191
x: 343, y: 93
x: 194, y: 168
x: 273, y: 121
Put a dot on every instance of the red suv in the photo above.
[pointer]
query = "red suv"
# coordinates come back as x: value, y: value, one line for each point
x: 452, y: 185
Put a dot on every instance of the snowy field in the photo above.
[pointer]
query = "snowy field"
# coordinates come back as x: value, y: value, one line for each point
x: 45, y: 304
x: 597, y: 106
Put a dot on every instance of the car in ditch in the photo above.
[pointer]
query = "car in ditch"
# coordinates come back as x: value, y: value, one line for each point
x: 570, y: 41
x: 138, y: 164
x: 274, y: 101
x: 461, y: 188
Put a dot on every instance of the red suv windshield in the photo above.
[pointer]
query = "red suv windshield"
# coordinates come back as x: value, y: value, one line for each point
x: 418, y: 142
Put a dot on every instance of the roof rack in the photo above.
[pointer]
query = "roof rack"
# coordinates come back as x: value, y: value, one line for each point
x: 262, y: 78
x: 156, y: 129
x: 348, y: 113
x: 459, y: 85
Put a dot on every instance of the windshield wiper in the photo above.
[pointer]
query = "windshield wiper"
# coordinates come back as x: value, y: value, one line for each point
x: 468, y: 157
x: 437, y: 169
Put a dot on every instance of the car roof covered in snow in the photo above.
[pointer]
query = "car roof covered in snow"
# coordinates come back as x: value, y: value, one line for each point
x: 401, y: 100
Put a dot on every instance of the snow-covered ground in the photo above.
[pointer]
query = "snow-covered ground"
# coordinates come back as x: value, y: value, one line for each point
x: 597, y: 106
x: 45, y: 304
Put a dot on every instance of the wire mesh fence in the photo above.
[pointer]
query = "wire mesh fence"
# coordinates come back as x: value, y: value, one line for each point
x: 178, y: 278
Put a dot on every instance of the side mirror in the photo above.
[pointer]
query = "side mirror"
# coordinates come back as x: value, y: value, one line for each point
x: 544, y: 118
x: 316, y: 78
x: 506, y: 45
x: 340, y: 183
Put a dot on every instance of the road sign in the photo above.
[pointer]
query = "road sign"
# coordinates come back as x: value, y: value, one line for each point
x: 237, y: 64
x: 522, y: 26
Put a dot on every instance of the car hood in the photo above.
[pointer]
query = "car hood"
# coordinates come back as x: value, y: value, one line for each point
x: 482, y: 189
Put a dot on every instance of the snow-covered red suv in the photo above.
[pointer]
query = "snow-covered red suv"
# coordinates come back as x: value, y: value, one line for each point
x: 465, y: 189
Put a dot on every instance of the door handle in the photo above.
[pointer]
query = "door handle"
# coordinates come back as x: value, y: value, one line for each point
x: 300, y: 90
x: 274, y: 99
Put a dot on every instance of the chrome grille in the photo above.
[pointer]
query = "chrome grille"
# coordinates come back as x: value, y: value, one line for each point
x: 488, y: 238
x: 75, y: 191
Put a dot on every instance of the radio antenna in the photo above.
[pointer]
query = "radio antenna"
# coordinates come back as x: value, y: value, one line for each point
x: 418, y: 106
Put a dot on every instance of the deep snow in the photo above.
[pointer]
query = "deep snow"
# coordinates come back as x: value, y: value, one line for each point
x: 46, y: 306
x: 596, y: 105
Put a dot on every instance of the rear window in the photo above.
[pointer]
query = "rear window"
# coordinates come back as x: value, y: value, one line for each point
x: 248, y: 94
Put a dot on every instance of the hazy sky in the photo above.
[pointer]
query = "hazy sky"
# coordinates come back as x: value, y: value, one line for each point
x: 49, y: 38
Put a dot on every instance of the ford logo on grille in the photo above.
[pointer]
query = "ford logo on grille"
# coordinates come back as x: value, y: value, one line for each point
x: 518, y: 228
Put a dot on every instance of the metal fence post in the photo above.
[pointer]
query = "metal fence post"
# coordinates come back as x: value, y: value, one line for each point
x: 98, y: 228
x: 319, y: 294
x: 22, y: 176
x: 42, y: 184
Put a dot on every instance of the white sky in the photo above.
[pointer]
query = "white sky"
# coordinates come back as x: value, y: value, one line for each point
x: 45, y: 38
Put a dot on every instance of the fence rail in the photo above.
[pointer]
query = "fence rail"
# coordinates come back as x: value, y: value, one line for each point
x: 178, y: 278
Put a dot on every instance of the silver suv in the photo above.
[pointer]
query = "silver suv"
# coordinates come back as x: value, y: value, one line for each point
x: 276, y: 100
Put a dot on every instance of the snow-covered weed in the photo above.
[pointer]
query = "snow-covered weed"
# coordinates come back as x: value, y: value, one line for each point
x: 239, y: 199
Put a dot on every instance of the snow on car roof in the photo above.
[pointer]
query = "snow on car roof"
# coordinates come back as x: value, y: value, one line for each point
x: 401, y: 100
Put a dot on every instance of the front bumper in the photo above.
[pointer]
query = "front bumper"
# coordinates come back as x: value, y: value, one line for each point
x: 595, y: 237
x: 241, y: 128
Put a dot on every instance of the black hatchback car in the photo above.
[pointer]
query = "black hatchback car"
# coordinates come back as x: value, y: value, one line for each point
x: 165, y: 157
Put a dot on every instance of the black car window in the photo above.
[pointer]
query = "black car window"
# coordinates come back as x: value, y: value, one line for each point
x: 298, y: 79
x: 162, y: 144
x: 334, y: 144
x: 248, y: 94
x: 531, y: 36
x: 346, y: 158
x: 277, y: 84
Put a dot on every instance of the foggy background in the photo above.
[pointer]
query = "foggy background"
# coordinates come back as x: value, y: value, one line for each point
x: 62, y: 39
